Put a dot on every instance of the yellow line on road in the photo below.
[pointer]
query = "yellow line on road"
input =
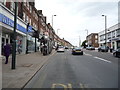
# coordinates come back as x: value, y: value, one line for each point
x: 58, y: 84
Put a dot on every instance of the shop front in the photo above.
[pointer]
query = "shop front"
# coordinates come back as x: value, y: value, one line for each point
x: 6, y: 31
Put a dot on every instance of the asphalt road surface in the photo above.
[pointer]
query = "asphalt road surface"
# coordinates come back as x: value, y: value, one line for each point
x: 91, y: 70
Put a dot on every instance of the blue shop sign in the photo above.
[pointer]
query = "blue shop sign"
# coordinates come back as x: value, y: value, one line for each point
x: 4, y: 19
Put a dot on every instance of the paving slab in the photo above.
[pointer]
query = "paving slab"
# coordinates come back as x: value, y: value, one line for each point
x: 26, y: 67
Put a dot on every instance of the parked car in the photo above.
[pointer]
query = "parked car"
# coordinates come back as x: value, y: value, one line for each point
x: 116, y: 53
x: 90, y: 48
x: 103, y: 49
x: 77, y: 50
x: 61, y: 49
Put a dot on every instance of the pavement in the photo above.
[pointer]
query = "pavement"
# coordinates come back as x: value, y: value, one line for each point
x: 27, y: 65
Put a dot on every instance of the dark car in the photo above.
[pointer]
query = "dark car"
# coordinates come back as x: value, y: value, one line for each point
x: 116, y: 53
x: 103, y: 49
x: 77, y: 51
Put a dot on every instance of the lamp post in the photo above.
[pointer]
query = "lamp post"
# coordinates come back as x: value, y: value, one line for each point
x: 27, y: 38
x: 86, y: 37
x: 105, y: 29
x: 14, y: 39
x: 52, y: 19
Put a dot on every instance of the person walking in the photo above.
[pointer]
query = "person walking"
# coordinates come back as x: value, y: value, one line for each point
x: 7, y: 51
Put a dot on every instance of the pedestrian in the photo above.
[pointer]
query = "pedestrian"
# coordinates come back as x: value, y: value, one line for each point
x: 7, y: 51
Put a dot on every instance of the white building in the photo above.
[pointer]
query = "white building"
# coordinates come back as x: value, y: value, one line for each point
x: 112, y: 36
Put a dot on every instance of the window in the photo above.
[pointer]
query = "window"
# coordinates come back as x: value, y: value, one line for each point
x: 30, y: 9
x: 26, y: 19
x: 28, y: 5
x: 118, y: 33
x: 24, y: 3
x: 23, y: 16
x: 12, y: 6
x: 113, y: 34
x: 4, y: 2
x: 96, y: 36
x: 96, y: 41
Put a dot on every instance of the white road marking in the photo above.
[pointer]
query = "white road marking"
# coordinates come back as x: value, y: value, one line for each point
x: 103, y: 59
x: 87, y: 54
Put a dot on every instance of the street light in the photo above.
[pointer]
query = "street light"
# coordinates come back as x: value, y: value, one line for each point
x: 52, y: 19
x: 105, y: 29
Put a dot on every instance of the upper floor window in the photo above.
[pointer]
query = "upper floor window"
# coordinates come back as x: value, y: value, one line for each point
x: 28, y: 5
x: 12, y: 6
x: 96, y: 41
x: 113, y: 34
x: 24, y: 16
x: 30, y: 9
x: 118, y: 32
x: 24, y: 3
x: 96, y: 36
x: 4, y: 2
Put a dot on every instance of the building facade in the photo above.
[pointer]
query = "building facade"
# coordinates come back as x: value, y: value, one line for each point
x: 92, y: 40
x: 112, y: 37
x: 26, y: 14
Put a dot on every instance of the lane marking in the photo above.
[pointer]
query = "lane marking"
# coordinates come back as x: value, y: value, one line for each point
x: 103, y: 59
x: 87, y: 54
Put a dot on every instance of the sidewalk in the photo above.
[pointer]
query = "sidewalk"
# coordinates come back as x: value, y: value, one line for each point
x: 26, y: 67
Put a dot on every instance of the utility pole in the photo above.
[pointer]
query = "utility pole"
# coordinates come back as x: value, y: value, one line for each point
x: 14, y: 39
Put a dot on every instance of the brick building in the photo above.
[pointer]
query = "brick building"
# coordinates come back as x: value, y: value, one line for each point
x: 92, y: 39
x: 27, y: 14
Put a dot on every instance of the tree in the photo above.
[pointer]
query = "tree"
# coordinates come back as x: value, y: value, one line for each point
x: 84, y: 44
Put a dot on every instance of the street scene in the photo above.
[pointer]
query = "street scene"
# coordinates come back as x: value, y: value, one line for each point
x: 59, y: 44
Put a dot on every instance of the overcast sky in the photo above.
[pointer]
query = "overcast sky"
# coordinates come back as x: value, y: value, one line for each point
x: 74, y: 16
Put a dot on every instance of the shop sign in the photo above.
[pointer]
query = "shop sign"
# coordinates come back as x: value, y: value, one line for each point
x: 4, y: 19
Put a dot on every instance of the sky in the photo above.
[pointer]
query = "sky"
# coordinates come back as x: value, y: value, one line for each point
x: 74, y: 17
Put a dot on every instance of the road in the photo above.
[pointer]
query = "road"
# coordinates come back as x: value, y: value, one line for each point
x: 91, y: 70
